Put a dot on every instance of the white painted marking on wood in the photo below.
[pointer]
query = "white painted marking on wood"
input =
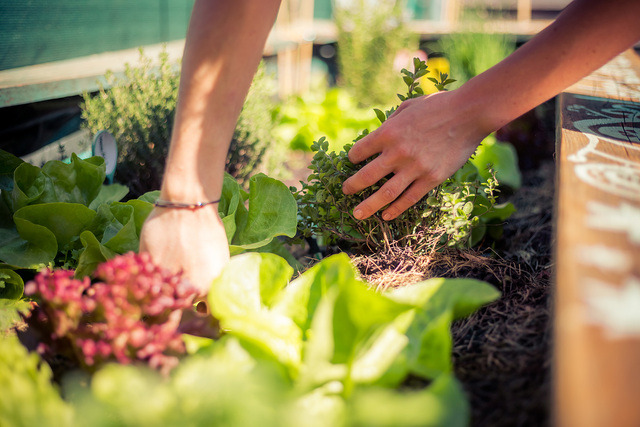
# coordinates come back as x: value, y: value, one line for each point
x: 616, y: 79
x: 604, y: 258
x: 624, y: 218
x: 616, y: 309
x: 619, y: 180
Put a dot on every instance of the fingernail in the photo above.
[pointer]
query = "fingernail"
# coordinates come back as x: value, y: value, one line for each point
x: 386, y: 216
x: 358, y: 214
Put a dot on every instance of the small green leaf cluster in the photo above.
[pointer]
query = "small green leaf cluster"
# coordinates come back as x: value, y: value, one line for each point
x: 139, y: 110
x: 466, y: 207
x: 445, y: 217
x: 442, y: 81
x: 411, y: 79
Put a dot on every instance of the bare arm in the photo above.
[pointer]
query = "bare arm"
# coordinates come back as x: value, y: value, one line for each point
x: 429, y: 138
x: 224, y: 45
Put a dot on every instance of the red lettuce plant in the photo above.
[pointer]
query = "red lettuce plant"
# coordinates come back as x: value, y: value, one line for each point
x: 131, y: 311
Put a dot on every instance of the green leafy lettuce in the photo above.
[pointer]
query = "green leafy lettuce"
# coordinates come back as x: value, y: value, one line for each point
x: 271, y: 211
x: 323, y: 349
x: 61, y: 215
x: 28, y: 396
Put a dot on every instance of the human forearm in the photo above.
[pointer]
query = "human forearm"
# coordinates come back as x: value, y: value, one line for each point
x: 584, y: 37
x: 224, y: 45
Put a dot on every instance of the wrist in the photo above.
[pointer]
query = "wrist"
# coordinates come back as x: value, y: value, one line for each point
x: 479, y: 108
x: 184, y: 185
x: 194, y: 170
x: 469, y: 122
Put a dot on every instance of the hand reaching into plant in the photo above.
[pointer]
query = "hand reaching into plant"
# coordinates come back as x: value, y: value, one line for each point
x: 420, y: 152
x: 428, y: 138
x: 192, y: 240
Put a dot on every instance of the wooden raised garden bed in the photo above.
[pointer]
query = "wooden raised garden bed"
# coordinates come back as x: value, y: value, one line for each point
x: 597, y: 320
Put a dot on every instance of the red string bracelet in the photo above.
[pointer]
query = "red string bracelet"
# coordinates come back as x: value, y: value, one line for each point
x: 174, y: 205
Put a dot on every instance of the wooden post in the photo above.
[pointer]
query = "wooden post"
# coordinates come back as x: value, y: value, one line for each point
x: 597, y: 324
x: 524, y: 10
x: 451, y: 12
x: 295, y: 20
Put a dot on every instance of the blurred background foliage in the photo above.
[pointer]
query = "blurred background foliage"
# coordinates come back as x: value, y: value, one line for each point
x: 139, y: 108
x: 471, y: 53
x: 370, y: 35
x: 374, y: 42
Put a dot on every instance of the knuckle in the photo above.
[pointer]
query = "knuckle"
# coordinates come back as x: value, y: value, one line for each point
x: 388, y: 133
x: 425, y: 164
x: 427, y: 169
x: 403, y: 150
x: 389, y: 193
x: 367, y: 175
x: 412, y: 197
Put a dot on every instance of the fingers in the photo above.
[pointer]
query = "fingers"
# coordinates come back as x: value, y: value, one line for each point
x: 410, y: 197
x: 368, y: 146
x: 389, y: 192
x: 366, y: 177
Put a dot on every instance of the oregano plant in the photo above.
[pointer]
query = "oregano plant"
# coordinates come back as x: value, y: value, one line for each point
x: 445, y: 217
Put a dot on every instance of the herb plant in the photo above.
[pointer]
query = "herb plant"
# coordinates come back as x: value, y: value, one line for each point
x: 445, y: 217
x: 139, y: 109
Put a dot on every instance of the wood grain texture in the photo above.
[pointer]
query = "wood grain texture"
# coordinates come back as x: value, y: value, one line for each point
x: 597, y: 325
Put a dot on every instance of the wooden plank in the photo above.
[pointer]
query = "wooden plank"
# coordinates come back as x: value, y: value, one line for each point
x: 597, y: 325
x: 70, y: 77
x: 73, y: 76
x: 524, y: 10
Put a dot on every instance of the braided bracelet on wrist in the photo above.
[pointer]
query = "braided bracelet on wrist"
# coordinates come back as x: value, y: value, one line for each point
x: 174, y: 205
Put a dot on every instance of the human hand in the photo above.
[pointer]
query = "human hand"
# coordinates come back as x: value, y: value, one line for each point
x: 423, y: 143
x: 191, y: 240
